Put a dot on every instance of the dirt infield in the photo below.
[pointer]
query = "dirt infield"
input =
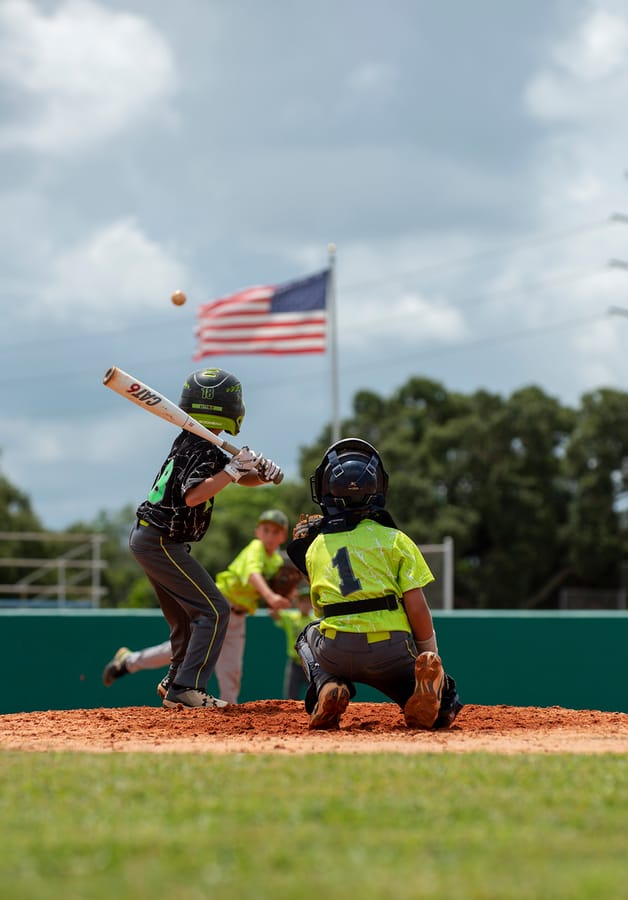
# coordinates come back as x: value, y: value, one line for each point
x: 280, y: 726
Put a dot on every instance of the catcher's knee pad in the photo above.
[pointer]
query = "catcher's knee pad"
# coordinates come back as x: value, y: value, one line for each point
x: 308, y: 663
x: 311, y: 668
x: 315, y: 674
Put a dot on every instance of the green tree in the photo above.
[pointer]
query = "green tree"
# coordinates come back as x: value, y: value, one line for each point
x: 121, y: 573
x: 235, y: 515
x: 528, y: 489
x: 512, y: 483
x: 510, y: 479
x: 596, y: 465
x: 16, y: 515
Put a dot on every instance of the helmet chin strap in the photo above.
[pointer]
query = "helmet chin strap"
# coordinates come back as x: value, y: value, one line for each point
x: 337, y: 519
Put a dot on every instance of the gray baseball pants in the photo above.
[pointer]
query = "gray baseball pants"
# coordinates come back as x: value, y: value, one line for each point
x: 194, y: 608
x: 387, y: 665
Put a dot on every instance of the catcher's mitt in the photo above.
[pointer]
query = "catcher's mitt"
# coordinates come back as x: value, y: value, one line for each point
x: 287, y: 579
x: 307, y: 526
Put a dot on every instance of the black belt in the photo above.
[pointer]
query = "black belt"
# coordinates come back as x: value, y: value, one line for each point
x: 349, y: 607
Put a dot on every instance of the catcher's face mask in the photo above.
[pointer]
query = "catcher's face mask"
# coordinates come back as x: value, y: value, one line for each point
x: 350, y: 475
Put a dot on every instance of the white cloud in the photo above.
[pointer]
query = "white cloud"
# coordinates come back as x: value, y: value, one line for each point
x: 588, y: 74
x: 57, y: 468
x: 601, y: 351
x: 399, y: 318
x: 418, y: 318
x: 372, y: 78
x: 103, y: 439
x: 579, y: 95
x: 115, y: 269
x: 81, y: 75
x: 597, y: 48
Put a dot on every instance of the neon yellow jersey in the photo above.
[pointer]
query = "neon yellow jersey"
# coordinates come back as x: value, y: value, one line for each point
x: 234, y: 581
x: 369, y: 561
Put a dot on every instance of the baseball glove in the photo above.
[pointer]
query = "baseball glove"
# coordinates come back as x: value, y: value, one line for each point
x: 286, y: 579
x: 308, y: 526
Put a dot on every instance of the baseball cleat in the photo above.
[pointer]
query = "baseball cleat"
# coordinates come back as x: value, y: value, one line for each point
x: 450, y: 704
x: 116, y: 667
x: 191, y: 698
x: 421, y: 710
x: 332, y: 701
x: 166, y: 681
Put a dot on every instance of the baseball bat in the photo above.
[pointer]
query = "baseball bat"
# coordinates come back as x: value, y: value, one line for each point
x: 153, y: 402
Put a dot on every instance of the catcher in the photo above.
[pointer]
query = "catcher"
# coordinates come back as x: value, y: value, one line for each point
x: 366, y: 580
x: 258, y: 573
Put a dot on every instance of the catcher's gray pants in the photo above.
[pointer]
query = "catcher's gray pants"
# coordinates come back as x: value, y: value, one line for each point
x: 194, y: 608
x: 387, y: 665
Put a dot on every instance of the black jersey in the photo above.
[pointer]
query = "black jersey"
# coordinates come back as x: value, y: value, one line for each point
x: 190, y: 461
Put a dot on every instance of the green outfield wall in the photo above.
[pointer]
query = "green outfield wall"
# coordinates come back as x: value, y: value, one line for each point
x: 578, y: 660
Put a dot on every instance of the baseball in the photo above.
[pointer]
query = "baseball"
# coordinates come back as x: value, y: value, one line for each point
x: 178, y: 298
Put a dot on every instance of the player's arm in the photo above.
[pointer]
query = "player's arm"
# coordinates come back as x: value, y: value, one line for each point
x: 242, y: 468
x: 273, y: 599
x: 208, y: 488
x: 420, y: 618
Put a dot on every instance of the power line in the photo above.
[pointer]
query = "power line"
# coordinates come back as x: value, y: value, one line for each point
x: 550, y: 237
x: 25, y: 376
x: 157, y: 323
x: 512, y: 292
x: 441, y: 350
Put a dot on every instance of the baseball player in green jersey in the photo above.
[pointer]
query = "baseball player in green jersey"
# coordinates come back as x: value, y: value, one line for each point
x: 177, y: 512
x: 366, y: 582
x: 245, y: 582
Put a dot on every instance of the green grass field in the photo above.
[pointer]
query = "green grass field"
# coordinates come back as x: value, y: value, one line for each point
x: 444, y: 826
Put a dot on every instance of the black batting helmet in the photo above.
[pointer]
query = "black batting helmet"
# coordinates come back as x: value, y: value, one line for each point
x: 214, y: 398
x: 351, y: 475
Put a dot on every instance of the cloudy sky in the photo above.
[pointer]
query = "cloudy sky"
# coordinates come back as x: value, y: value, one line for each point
x: 467, y: 160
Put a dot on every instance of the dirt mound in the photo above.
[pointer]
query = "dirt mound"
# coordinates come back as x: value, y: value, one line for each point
x: 271, y: 726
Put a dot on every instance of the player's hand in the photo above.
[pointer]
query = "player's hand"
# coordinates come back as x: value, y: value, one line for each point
x: 278, y: 601
x: 269, y: 471
x: 243, y: 462
x: 309, y: 525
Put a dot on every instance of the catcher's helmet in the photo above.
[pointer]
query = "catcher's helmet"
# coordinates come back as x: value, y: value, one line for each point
x: 214, y: 398
x: 351, y: 475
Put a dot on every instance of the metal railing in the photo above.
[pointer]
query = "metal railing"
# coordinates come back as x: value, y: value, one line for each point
x: 588, y: 598
x: 440, y: 559
x: 71, y: 577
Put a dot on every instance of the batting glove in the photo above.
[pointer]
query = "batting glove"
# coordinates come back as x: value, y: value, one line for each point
x: 269, y: 471
x: 244, y: 461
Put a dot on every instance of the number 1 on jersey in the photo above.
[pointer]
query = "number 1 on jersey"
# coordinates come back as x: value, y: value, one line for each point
x: 348, y: 582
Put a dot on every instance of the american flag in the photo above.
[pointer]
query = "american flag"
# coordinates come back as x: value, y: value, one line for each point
x: 287, y: 318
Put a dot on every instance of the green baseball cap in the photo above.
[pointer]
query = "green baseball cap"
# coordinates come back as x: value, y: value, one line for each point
x: 276, y: 516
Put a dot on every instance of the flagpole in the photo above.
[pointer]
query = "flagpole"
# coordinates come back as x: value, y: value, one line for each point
x: 333, y: 345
